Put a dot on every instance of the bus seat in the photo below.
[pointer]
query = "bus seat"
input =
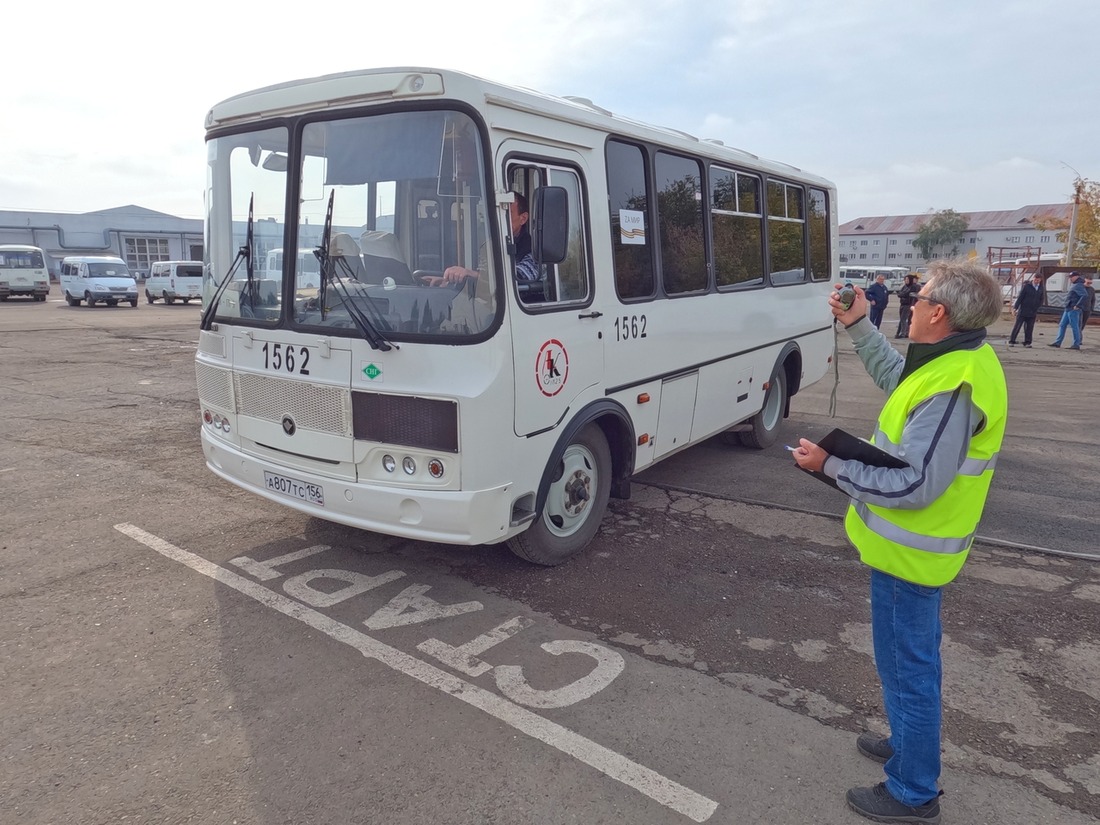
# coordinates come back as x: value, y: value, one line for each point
x: 382, y: 258
x: 344, y: 251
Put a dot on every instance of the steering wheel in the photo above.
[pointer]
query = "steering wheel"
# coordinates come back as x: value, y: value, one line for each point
x: 424, y: 277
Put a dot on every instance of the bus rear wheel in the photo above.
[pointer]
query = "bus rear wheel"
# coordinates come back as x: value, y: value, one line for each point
x: 764, y: 426
x: 575, y: 502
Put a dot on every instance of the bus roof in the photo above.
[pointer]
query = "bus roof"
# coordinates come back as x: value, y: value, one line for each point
x: 372, y: 86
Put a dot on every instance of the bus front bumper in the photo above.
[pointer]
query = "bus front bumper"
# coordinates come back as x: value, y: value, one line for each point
x: 451, y: 517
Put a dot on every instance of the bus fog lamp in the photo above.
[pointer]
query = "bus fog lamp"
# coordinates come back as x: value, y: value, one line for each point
x: 207, y: 417
x: 389, y: 463
x: 408, y: 465
x: 435, y: 467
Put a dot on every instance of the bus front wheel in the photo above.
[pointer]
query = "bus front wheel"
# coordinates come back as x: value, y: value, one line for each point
x: 575, y: 502
x: 764, y: 426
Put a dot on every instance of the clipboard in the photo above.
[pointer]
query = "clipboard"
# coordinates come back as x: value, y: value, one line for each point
x: 846, y: 446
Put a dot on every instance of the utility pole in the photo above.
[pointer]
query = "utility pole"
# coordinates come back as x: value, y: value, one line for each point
x: 1071, y: 238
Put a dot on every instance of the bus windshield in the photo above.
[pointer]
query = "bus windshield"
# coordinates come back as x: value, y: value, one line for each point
x: 20, y: 259
x: 386, y: 204
x: 108, y: 270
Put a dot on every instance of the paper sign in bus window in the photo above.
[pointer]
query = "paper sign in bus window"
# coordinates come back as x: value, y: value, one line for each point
x: 631, y: 226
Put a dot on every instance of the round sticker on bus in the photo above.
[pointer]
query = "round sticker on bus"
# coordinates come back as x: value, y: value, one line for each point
x: 551, y: 367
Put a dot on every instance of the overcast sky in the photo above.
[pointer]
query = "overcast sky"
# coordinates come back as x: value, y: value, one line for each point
x: 907, y: 106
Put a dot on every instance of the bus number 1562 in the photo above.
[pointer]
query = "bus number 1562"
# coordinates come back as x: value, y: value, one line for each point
x: 630, y: 326
x: 286, y: 357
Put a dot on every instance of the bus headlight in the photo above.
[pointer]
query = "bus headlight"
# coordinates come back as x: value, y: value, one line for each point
x: 389, y: 463
x: 408, y: 465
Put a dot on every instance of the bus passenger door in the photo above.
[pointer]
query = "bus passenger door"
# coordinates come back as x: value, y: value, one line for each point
x: 556, y: 323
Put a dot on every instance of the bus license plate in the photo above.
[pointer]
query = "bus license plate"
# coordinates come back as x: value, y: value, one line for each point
x: 293, y: 488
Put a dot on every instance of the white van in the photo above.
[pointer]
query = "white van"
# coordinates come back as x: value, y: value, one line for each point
x: 174, y: 279
x: 92, y: 278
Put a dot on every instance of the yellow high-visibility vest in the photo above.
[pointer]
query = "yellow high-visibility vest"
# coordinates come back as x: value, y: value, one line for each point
x: 929, y: 546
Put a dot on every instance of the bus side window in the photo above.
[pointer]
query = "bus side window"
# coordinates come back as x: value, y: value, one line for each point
x: 566, y: 281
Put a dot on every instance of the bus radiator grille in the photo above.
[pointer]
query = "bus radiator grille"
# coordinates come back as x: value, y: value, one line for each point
x: 425, y: 423
x: 215, y: 386
x: 318, y: 408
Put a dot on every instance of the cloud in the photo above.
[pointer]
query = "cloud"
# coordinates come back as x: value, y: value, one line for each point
x: 903, y: 106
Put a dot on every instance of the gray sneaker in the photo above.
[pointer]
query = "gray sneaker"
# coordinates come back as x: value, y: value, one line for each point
x: 874, y: 746
x: 876, y: 803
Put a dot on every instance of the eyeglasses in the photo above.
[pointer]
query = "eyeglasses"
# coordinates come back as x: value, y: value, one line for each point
x: 927, y: 298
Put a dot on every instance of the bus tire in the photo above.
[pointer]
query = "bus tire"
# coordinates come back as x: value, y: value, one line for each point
x: 575, y: 502
x: 168, y: 300
x: 88, y: 299
x: 71, y: 301
x: 149, y: 296
x: 764, y: 426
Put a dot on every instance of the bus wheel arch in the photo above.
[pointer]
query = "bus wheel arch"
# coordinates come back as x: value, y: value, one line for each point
x: 784, y: 381
x: 592, y: 461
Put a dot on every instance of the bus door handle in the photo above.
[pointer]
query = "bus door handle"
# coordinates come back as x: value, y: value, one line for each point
x: 592, y: 314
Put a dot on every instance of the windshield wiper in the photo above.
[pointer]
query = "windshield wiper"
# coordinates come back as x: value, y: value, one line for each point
x: 328, y: 273
x: 243, y: 254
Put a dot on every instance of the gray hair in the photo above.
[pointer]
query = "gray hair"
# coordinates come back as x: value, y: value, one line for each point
x: 971, y: 296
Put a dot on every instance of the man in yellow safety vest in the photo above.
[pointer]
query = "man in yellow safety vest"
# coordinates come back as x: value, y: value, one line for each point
x: 944, y: 416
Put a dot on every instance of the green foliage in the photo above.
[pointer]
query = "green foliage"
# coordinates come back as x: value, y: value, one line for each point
x: 943, y: 232
x: 1086, y: 251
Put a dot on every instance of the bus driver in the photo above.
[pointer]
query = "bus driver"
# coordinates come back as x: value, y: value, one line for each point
x: 526, y: 268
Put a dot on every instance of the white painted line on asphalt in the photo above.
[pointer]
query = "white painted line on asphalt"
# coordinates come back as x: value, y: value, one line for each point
x: 667, y: 792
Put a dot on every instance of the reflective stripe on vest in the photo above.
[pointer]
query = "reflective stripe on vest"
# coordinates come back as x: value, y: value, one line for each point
x: 929, y: 545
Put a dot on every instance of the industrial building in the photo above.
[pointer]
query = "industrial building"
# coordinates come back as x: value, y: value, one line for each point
x: 889, y: 240
x: 137, y: 235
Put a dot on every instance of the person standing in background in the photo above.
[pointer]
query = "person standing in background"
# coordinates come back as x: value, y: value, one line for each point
x: 1027, y: 308
x: 1090, y: 302
x: 878, y: 296
x: 906, y: 297
x: 1071, y: 315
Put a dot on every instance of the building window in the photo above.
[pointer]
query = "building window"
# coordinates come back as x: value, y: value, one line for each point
x: 863, y: 243
x: 893, y: 255
x: 973, y: 241
x: 909, y: 242
x: 1029, y: 239
x: 1012, y: 238
x: 862, y: 255
x: 876, y: 242
x: 908, y: 254
x: 141, y: 253
x: 1044, y: 239
x: 893, y: 242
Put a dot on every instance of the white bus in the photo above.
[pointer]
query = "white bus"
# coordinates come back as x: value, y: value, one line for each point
x: 23, y: 271
x: 307, y: 269
x: 864, y: 276
x: 681, y: 293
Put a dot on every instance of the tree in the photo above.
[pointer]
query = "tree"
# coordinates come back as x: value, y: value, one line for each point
x: 942, y: 230
x: 1086, y: 249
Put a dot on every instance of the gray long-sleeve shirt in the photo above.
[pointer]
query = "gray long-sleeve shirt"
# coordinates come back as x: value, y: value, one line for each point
x: 934, y: 440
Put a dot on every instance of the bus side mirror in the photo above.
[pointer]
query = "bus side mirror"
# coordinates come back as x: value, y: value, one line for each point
x: 550, y: 224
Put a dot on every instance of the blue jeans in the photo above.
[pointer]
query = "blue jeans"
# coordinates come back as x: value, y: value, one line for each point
x: 1072, y: 319
x: 905, y: 624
